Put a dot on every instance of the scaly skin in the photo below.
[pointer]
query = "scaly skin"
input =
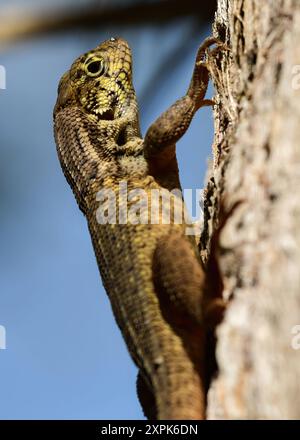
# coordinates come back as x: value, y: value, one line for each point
x: 151, y: 272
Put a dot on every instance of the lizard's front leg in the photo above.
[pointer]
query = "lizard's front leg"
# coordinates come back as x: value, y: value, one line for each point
x: 174, y: 122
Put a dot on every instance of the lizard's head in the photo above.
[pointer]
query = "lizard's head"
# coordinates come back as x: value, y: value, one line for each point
x: 100, y: 81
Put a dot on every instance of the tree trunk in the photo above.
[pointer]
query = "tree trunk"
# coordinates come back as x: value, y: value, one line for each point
x: 252, y: 210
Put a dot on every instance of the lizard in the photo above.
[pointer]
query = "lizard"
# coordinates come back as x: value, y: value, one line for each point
x: 152, y: 273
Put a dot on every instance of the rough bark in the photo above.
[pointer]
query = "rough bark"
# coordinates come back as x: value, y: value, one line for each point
x: 252, y: 209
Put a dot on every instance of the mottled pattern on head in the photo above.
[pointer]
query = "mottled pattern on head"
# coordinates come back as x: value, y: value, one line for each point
x: 100, y: 81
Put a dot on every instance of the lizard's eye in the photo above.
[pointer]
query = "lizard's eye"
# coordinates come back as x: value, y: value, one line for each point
x: 95, y: 67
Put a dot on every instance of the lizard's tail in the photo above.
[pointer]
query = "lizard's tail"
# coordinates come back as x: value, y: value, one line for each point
x: 182, y: 390
x: 177, y: 390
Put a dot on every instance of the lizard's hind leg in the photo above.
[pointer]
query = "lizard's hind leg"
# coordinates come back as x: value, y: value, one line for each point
x: 186, y: 304
x: 179, y: 284
x: 182, y: 285
x: 179, y: 279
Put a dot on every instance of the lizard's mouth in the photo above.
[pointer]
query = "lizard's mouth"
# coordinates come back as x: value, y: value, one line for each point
x: 106, y: 115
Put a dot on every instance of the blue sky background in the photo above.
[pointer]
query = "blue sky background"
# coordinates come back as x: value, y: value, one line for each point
x: 65, y: 356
